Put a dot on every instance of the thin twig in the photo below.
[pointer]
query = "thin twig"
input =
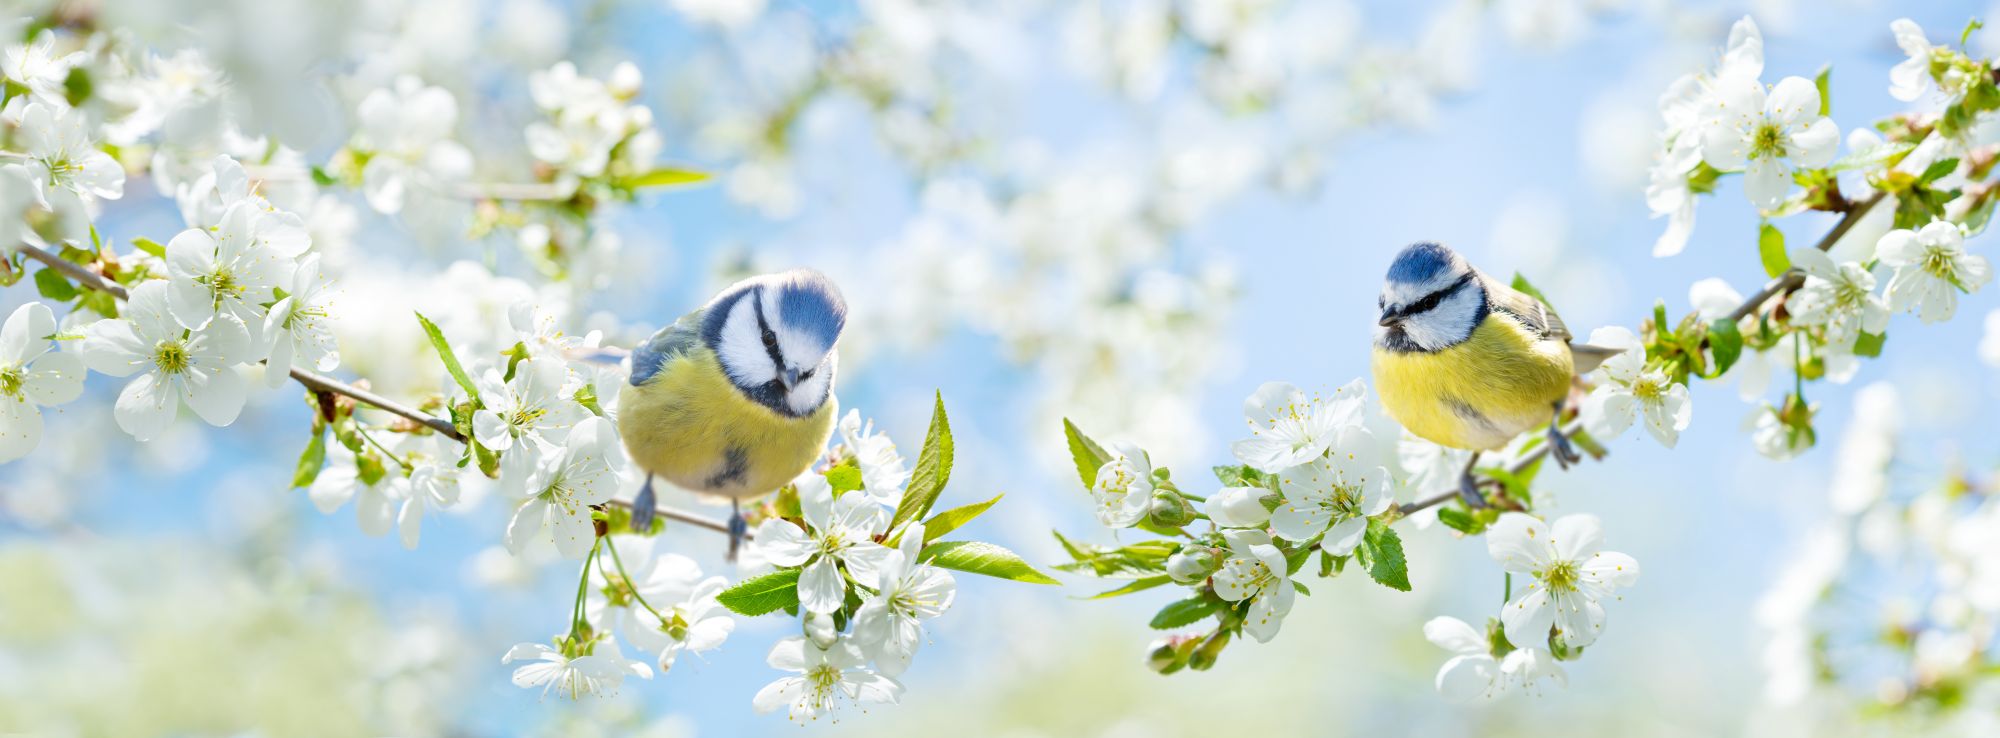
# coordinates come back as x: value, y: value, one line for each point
x: 1794, y: 278
x: 513, y: 191
x: 321, y: 383
x: 1519, y: 465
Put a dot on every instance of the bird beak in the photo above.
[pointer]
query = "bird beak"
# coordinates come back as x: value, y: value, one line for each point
x: 791, y: 378
x: 1389, y: 319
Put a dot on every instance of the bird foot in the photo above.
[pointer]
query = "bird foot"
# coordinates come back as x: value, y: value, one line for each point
x: 739, y: 529
x: 643, y: 508
x: 1561, y: 448
x: 1468, y: 488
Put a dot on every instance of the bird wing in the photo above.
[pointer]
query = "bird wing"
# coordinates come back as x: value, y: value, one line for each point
x: 681, y: 337
x: 1533, y: 313
x: 1542, y: 319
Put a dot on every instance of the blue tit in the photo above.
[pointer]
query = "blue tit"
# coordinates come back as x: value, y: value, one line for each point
x: 736, y: 399
x: 1468, y: 362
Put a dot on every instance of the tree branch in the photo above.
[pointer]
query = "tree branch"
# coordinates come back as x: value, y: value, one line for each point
x: 1794, y: 278
x: 1519, y: 465
x: 320, y: 383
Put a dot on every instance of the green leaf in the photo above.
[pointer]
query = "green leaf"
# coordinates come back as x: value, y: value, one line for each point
x: 450, y: 359
x: 766, y: 594
x: 101, y: 303
x: 933, y: 470
x: 321, y: 178
x: 1458, y: 520
x: 1825, y: 99
x: 1521, y: 285
x: 1184, y: 612
x: 1085, y: 452
x: 313, y: 459
x: 1144, y: 558
x: 1385, y: 556
x: 53, y: 285
x: 1241, y: 475
x: 1136, y: 585
x: 664, y: 176
x: 150, y: 246
x: 950, y: 520
x: 1870, y: 344
x: 1970, y: 26
x: 844, y: 478
x: 977, y: 557
x: 1771, y: 249
x: 77, y: 86
x: 1938, y: 169
x: 1726, y: 342
x: 1878, y: 155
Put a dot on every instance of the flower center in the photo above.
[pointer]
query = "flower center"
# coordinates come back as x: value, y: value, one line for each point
x: 1938, y: 263
x: 526, y: 416
x: 1768, y: 140
x: 172, y: 357
x: 823, y: 681
x: 12, y: 378
x: 1561, y: 576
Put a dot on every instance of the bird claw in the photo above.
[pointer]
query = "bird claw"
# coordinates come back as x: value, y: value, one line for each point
x: 1468, y: 488
x: 643, y: 508
x: 738, y: 530
x: 1560, y: 447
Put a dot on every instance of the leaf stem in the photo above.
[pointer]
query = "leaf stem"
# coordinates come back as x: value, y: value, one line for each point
x: 620, y: 563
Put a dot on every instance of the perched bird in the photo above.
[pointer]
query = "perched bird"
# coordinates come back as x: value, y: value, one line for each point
x: 736, y: 399
x: 1466, y: 361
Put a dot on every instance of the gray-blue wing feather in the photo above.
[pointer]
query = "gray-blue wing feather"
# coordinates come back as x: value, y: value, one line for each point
x: 681, y: 337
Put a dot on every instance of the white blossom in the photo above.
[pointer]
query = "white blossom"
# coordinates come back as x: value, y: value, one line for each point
x: 1931, y: 268
x: 1255, y: 570
x: 1238, y: 507
x: 1473, y: 674
x: 1569, y: 576
x: 1768, y: 135
x: 890, y: 622
x: 1288, y: 428
x: 1839, y: 297
x: 1123, y: 491
x: 374, y: 489
x: 61, y: 156
x: 1334, y: 494
x: 33, y: 375
x: 837, y: 531
x: 36, y: 66
x: 689, y: 619
x: 406, y: 130
x: 198, y: 368
x: 883, y: 472
x: 430, y: 483
x: 229, y: 272
x: 823, y: 677
x: 1909, y: 78
x: 598, y: 671
x: 525, y: 418
x: 561, y: 488
x: 1626, y: 390
x: 299, y: 326
x: 1686, y: 108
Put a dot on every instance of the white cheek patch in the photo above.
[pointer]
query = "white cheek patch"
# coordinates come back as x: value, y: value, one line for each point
x: 1446, y: 325
x: 741, y: 348
x: 812, y: 392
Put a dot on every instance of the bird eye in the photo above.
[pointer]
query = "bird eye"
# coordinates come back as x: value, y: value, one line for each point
x: 770, y: 339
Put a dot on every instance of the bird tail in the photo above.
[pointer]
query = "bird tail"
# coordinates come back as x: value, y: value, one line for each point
x: 1588, y: 357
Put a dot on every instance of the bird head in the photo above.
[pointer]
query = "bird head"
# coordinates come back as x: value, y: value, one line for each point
x: 1432, y: 300
x: 774, y: 336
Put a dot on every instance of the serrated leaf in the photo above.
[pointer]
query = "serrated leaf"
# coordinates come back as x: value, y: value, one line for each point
x: 979, y: 557
x: 53, y: 285
x: 1184, y: 612
x: 1825, y: 99
x: 951, y: 520
x: 770, y: 593
x: 1136, y: 585
x: 1089, y: 456
x: 664, y: 176
x: 933, y: 470
x: 1938, y: 169
x: 449, y: 358
x: 1870, y: 344
x: 313, y: 459
x: 1725, y: 341
x: 1521, y: 284
x: 1771, y: 250
x: 1385, y: 556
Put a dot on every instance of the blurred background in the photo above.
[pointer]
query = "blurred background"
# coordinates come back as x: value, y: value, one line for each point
x: 1127, y: 213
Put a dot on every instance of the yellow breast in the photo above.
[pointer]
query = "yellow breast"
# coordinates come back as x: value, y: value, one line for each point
x: 690, y: 425
x: 1479, y: 394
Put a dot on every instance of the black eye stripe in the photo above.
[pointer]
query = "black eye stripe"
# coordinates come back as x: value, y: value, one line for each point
x: 1431, y: 301
x: 770, y: 338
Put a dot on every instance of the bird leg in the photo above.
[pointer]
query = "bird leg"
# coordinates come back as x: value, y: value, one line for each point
x: 1468, y: 487
x: 643, y: 508
x: 738, y: 529
x: 1559, y: 445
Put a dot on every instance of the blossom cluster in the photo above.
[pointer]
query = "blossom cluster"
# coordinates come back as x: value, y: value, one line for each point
x: 1315, y: 483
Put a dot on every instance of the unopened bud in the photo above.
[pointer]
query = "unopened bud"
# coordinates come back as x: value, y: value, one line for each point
x: 1239, y: 507
x: 1168, y: 655
x: 1171, y: 510
x: 819, y: 629
x: 1204, y: 655
x: 1193, y: 564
